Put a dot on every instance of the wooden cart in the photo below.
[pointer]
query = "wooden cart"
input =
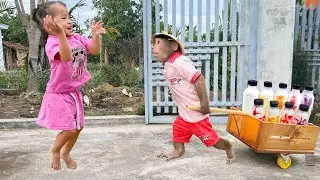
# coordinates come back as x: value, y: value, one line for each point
x: 266, y: 137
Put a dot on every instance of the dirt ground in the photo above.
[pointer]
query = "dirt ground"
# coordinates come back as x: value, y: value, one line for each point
x: 104, y: 100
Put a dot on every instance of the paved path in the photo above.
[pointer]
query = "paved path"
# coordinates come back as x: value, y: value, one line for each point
x: 129, y: 152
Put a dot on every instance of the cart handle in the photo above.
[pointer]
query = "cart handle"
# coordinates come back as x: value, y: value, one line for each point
x: 217, y: 110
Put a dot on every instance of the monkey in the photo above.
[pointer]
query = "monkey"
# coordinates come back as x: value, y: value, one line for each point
x: 187, y: 86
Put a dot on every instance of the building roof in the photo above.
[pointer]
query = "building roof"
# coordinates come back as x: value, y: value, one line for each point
x: 3, y: 26
x: 15, y: 45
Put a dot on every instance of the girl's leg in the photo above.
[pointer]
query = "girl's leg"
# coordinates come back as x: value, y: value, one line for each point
x: 65, y: 151
x: 61, y: 139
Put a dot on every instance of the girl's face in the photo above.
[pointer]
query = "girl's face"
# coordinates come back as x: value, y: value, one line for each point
x: 61, y: 17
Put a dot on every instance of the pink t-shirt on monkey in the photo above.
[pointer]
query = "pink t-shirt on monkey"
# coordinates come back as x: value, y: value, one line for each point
x: 181, y: 76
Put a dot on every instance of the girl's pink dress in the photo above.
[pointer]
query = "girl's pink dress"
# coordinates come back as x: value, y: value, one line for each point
x: 62, y: 107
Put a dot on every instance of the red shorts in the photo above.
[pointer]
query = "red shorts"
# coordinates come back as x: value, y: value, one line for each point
x: 183, y: 131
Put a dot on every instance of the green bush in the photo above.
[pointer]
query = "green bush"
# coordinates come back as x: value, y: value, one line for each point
x: 115, y: 75
x: 141, y: 110
x: 43, y: 80
x: 14, y: 79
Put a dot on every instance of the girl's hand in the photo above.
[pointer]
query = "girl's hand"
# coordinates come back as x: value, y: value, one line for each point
x: 97, y: 28
x: 51, y: 26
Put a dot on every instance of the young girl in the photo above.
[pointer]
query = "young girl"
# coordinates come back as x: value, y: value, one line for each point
x: 62, y: 107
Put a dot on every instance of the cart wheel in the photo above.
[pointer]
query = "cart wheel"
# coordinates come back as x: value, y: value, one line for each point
x: 282, y: 163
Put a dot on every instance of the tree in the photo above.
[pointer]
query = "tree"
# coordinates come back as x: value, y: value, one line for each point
x: 5, y: 7
x: 33, y: 34
x: 6, y: 11
x: 124, y: 15
x: 124, y: 20
x: 16, y: 31
x: 74, y: 19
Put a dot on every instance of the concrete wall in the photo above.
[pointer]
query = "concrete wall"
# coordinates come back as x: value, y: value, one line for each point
x: 275, y: 41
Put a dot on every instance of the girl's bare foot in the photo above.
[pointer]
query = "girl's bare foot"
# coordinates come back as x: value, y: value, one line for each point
x: 71, y: 164
x: 55, y: 160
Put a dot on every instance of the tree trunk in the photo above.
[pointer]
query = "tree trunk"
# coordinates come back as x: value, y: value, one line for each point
x: 33, y: 60
x: 34, y: 41
x: 106, y: 57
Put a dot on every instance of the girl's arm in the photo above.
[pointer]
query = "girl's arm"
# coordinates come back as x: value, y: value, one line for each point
x: 94, y: 47
x: 51, y: 27
x: 97, y: 30
x: 65, y: 52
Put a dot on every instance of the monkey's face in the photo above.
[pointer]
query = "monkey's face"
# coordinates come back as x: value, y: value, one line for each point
x: 163, y: 48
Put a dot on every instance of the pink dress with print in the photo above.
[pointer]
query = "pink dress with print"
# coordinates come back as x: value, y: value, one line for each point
x: 62, y: 107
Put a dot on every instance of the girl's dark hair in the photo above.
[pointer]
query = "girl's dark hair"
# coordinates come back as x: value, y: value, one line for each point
x: 39, y: 13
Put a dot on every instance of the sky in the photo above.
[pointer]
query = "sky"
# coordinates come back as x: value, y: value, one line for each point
x: 84, y: 13
x: 88, y: 12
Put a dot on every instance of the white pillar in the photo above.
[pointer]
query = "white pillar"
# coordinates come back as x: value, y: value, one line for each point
x: 275, y: 41
x: 2, y: 68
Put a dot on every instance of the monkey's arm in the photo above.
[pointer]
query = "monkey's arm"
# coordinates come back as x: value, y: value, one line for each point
x: 201, y: 89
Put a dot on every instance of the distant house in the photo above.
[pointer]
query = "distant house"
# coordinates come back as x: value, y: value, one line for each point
x: 15, y: 55
x: 2, y: 66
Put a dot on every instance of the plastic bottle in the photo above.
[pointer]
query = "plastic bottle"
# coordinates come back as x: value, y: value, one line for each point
x: 308, y: 98
x: 267, y: 94
x: 281, y: 95
x: 301, y: 116
x: 295, y: 96
x: 286, y: 114
x: 258, y: 110
x: 249, y: 94
x: 273, y: 113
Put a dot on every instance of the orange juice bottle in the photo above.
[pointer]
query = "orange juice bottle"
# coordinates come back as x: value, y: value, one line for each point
x: 267, y: 94
x: 281, y: 95
x: 273, y: 113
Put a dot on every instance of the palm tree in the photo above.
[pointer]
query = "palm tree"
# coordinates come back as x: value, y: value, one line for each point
x: 5, y: 7
x: 6, y: 11
x: 74, y: 19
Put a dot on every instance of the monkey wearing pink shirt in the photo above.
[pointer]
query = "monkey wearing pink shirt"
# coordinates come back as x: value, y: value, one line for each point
x: 187, y: 87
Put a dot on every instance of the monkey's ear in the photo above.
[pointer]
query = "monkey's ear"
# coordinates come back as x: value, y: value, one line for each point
x: 174, y: 45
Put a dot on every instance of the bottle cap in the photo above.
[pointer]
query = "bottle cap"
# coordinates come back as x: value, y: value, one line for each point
x: 252, y: 83
x: 274, y: 103
x: 258, y: 102
x: 309, y: 88
x: 267, y: 84
x: 283, y: 85
x: 303, y: 107
x: 288, y: 105
x: 295, y: 86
